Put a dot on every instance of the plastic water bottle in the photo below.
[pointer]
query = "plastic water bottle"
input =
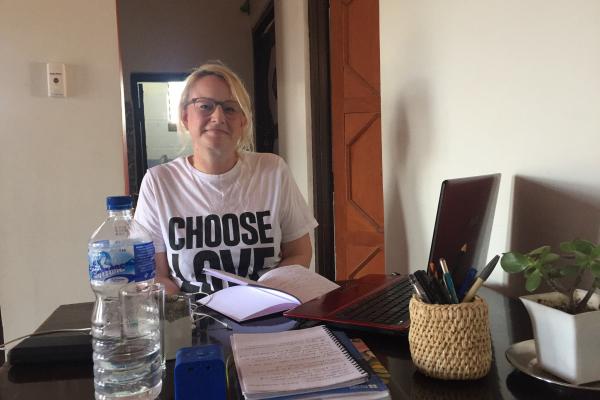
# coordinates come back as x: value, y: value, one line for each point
x: 120, y: 252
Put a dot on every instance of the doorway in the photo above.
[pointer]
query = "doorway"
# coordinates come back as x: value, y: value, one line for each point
x: 156, y: 140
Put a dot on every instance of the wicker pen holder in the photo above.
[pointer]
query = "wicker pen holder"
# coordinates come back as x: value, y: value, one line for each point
x: 450, y: 341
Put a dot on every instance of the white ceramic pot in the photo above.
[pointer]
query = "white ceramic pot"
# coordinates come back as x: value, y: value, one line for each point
x: 566, y: 345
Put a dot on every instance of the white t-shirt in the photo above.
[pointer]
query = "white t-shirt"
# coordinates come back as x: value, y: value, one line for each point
x: 235, y: 221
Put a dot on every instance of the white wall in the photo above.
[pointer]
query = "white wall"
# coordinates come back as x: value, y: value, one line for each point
x: 293, y: 94
x: 60, y: 157
x: 473, y: 87
x: 293, y: 90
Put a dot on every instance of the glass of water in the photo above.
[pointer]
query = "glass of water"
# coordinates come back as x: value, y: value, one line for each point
x: 142, y: 316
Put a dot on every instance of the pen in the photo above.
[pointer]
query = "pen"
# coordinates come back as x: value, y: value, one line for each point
x: 448, y: 281
x: 424, y: 281
x: 466, y: 283
x: 481, y: 278
x: 418, y: 289
x: 441, y: 291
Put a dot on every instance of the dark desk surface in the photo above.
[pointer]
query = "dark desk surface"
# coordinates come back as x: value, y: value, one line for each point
x: 509, y: 324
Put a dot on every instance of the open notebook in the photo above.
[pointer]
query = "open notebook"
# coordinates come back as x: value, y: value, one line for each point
x: 278, y: 290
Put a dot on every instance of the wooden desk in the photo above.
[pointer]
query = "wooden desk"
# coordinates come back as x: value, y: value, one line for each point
x: 509, y: 324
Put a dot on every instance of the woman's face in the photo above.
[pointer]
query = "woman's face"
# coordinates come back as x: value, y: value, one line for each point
x: 213, y: 118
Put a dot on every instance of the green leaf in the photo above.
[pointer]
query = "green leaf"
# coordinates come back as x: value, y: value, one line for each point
x: 539, y: 250
x: 583, y: 246
x: 513, y: 262
x: 567, y: 247
x: 533, y: 281
x: 596, y: 252
x: 543, y: 268
x: 580, y: 258
x: 549, y: 258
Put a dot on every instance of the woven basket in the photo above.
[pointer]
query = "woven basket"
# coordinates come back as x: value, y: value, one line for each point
x: 450, y: 341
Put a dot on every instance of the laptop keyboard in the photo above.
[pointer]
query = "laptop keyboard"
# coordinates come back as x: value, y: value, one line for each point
x: 388, y: 307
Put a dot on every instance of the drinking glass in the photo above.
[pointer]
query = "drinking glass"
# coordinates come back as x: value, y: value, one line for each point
x: 142, y: 313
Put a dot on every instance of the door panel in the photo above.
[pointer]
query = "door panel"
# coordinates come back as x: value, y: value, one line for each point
x: 364, y: 152
x: 356, y: 137
x: 366, y: 260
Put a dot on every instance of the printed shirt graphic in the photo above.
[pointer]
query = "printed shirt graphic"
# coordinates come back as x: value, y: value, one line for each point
x: 235, y: 221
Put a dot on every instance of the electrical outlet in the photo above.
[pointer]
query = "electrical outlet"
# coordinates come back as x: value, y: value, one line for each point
x: 57, y: 80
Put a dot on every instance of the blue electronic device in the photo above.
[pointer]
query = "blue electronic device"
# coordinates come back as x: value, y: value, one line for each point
x: 200, y: 373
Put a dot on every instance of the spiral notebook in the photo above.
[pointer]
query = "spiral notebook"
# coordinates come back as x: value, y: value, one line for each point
x: 295, y: 362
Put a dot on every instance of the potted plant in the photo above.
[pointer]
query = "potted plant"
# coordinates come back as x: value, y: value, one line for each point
x: 566, y: 322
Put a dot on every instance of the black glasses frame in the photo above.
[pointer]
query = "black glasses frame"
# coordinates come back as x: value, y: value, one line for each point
x: 231, y: 108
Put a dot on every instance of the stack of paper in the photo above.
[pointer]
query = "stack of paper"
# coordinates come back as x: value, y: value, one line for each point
x: 311, y: 363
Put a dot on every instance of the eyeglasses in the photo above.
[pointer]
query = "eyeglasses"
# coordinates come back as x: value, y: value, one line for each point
x: 206, y: 106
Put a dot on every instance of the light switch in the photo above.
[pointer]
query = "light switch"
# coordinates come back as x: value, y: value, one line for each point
x: 57, y: 80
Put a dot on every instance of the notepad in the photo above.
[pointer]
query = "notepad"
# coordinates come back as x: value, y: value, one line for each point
x: 278, y: 290
x: 293, y: 362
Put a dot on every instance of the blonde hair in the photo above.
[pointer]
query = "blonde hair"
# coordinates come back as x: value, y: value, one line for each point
x: 238, y: 91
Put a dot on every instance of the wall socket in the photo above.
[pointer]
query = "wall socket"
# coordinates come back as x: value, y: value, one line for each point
x: 57, y: 80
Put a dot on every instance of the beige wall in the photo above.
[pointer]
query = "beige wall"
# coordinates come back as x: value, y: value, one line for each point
x: 475, y: 87
x: 60, y: 157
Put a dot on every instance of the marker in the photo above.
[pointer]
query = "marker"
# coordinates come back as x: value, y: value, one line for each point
x: 481, y: 278
x: 448, y: 281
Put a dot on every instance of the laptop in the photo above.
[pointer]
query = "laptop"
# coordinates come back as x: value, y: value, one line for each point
x: 461, y: 235
x: 60, y: 346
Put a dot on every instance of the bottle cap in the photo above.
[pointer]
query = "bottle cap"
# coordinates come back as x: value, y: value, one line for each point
x: 115, y: 203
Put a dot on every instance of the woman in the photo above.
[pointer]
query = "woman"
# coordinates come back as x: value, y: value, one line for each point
x: 223, y: 207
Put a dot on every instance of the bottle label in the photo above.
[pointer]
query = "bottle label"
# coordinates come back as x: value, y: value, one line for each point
x: 144, y: 261
x: 121, y: 264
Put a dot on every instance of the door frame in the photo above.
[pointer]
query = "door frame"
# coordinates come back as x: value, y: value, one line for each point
x: 265, y: 129
x: 318, y: 34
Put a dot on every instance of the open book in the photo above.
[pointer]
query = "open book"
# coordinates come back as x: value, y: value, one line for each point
x: 278, y: 290
x: 297, y: 362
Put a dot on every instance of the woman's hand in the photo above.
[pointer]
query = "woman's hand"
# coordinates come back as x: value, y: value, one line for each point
x: 162, y: 273
x: 297, y: 251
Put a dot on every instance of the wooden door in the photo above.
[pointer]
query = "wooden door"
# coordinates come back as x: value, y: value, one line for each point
x: 356, y: 137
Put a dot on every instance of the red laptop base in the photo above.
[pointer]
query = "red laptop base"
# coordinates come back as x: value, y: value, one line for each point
x: 327, y: 308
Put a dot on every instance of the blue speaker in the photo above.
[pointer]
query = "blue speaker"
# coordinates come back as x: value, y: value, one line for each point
x: 200, y: 373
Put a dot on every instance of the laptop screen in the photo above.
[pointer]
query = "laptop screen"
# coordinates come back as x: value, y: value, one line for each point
x: 463, y: 224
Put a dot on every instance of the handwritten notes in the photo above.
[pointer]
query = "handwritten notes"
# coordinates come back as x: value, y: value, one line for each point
x: 291, y: 362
